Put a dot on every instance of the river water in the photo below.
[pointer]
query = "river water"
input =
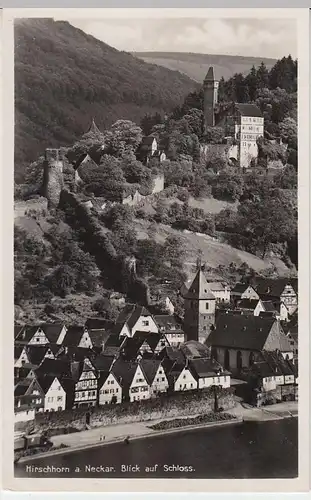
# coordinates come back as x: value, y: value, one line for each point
x: 245, y: 450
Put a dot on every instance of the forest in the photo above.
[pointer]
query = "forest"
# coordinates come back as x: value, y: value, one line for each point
x: 94, y: 252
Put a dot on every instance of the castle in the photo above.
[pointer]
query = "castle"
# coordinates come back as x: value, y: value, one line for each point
x: 243, y: 123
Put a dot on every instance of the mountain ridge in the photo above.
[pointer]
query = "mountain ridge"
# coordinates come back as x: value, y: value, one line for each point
x: 195, y: 65
x: 65, y: 77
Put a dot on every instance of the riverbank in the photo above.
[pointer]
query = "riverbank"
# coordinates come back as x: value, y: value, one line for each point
x: 101, y: 436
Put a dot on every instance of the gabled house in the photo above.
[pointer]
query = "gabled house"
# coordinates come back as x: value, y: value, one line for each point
x: 237, y: 340
x: 135, y: 318
x: 99, y: 339
x: 278, y: 290
x: 180, y: 379
x: 77, y: 336
x: 32, y: 335
x: 155, y: 375
x: 109, y: 389
x: 20, y: 355
x: 143, y: 344
x: 243, y: 291
x: 209, y: 372
x: 86, y: 387
x: 28, y: 395
x: 55, y: 332
x: 171, y: 327
x: 55, y: 367
x: 251, y: 306
x: 270, y: 371
x: 25, y: 371
x: 54, y: 393
x: 132, y: 379
x: 277, y: 309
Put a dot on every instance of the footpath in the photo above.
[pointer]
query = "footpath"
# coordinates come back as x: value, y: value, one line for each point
x: 104, y: 435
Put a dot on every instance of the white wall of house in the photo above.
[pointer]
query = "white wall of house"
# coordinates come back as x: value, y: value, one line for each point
x: 39, y: 338
x: 185, y: 381
x: 250, y: 293
x: 55, y: 398
x: 139, y: 388
x: 289, y: 379
x: 221, y: 295
x: 221, y: 381
x: 259, y: 308
x: 86, y: 389
x: 61, y: 335
x: 23, y: 358
x: 283, y: 316
x: 160, y: 382
x: 288, y: 354
x: 175, y: 339
x: 110, y: 388
x: 145, y: 324
x: 125, y: 331
x: 24, y: 415
x: 85, y: 341
x: 269, y: 383
x: 169, y: 306
x: 290, y: 299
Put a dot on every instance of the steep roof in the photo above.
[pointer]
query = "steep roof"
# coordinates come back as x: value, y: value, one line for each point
x: 103, y: 363
x: 45, y: 382
x: 98, y: 324
x: 147, y: 140
x: 26, y: 333
x: 73, y: 336
x: 248, y: 110
x: 18, y: 330
x: 210, y: 76
x: 36, y: 353
x: 93, y: 129
x: 273, y: 287
x: 205, y: 367
x: 194, y: 349
x: 269, y: 306
x: 248, y: 304
x: 240, y: 288
x: 168, y: 323
x: 18, y: 349
x: 55, y: 367
x: 52, y: 331
x: 124, y: 371
x: 199, y: 288
x: 241, y: 332
x: 216, y: 286
x: 131, y: 313
x: 149, y: 368
x: 98, y: 337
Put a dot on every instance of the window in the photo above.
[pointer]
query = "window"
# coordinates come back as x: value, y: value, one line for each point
x: 117, y: 390
x: 50, y: 400
x: 111, y: 382
x: 191, y: 385
x: 106, y: 391
x: 145, y: 323
x: 184, y: 376
x: 108, y: 382
x: 59, y: 398
x: 163, y: 379
x: 59, y: 408
x: 83, y: 394
x: 111, y: 391
x: 207, y: 305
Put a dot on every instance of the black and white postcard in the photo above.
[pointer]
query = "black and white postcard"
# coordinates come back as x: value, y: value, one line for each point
x: 159, y: 332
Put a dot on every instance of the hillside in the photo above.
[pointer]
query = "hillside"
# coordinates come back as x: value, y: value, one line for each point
x: 195, y: 66
x: 64, y: 78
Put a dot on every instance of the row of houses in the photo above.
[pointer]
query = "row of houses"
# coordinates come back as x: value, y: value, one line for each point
x: 89, y: 379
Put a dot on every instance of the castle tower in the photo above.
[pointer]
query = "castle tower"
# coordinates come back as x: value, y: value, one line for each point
x: 200, y: 305
x: 210, y: 86
x: 53, y: 181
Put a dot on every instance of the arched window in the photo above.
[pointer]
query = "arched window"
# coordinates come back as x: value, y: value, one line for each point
x: 227, y: 360
x: 251, y: 358
x: 239, y: 360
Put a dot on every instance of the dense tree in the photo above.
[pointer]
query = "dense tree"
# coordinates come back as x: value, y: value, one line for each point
x: 123, y: 137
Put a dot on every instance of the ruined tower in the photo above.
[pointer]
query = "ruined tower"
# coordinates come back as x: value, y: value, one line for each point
x: 210, y: 86
x: 53, y: 181
x: 200, y: 305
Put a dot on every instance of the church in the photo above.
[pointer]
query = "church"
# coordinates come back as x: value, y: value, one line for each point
x: 243, y: 123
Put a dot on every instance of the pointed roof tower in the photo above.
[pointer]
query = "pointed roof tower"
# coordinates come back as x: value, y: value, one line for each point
x: 210, y: 76
x: 199, y: 289
x: 93, y: 128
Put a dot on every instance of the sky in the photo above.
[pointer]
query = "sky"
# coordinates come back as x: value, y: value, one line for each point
x: 244, y: 37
